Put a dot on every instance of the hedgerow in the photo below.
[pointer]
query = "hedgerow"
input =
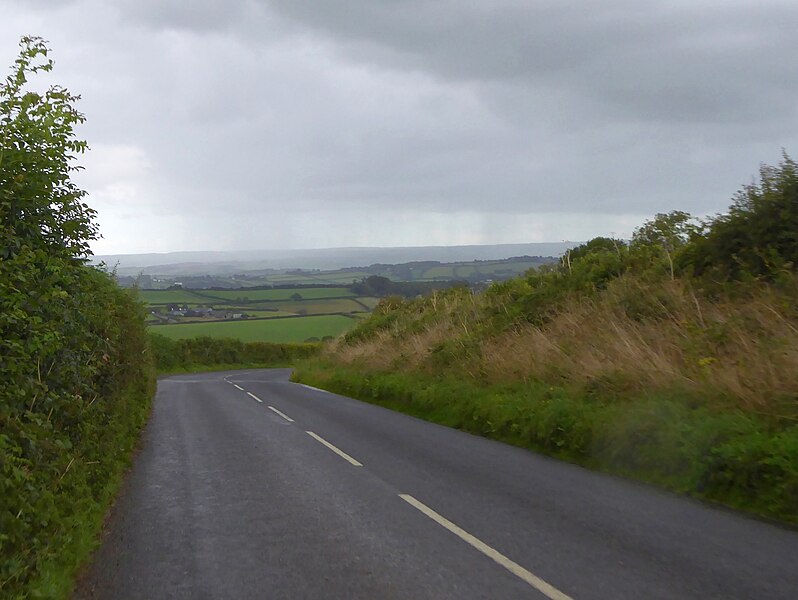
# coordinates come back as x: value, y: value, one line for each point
x: 201, y: 353
x: 77, y: 377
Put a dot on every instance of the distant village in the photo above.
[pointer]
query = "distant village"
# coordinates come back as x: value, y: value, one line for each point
x: 175, y: 313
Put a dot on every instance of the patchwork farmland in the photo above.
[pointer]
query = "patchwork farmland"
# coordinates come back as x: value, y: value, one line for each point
x: 295, y: 314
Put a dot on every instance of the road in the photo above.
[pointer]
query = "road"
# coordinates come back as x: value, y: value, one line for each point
x: 250, y: 486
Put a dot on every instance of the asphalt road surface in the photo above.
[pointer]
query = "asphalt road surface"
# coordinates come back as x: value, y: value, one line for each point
x: 249, y: 486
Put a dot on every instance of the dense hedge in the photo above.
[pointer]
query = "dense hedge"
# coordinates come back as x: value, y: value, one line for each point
x: 77, y: 377
x: 74, y: 394
x: 190, y: 354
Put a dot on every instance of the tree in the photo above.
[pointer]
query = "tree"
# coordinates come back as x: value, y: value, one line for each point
x: 593, y: 264
x: 666, y: 234
x: 40, y: 207
x: 758, y: 237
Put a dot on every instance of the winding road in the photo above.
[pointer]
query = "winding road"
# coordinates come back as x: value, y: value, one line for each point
x: 250, y: 486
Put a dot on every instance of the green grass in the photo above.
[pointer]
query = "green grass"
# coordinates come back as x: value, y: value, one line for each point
x: 266, y: 330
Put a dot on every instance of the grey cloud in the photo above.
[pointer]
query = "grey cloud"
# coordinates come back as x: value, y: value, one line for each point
x: 198, y: 16
x: 670, y: 61
x: 455, y: 120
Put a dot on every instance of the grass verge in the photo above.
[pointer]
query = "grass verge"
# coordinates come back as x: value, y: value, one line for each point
x: 737, y: 459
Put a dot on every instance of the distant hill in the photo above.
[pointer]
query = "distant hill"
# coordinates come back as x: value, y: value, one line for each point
x: 225, y: 263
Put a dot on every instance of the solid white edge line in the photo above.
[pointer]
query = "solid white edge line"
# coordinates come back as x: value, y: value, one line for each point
x: 536, y: 582
x: 340, y: 453
x: 310, y: 387
x: 255, y: 397
x: 238, y: 386
x: 282, y: 414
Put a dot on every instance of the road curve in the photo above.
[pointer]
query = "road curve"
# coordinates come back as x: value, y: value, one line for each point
x: 250, y: 486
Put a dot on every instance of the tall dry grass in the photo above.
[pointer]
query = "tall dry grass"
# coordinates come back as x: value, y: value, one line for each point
x: 632, y: 337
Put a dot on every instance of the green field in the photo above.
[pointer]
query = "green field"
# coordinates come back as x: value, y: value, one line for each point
x: 442, y: 271
x: 266, y: 330
x: 317, y: 314
x: 171, y: 297
x: 485, y: 269
x: 370, y: 301
x: 242, y: 295
x: 274, y: 294
x: 323, y: 277
x: 346, y: 277
x: 264, y: 314
x: 315, y: 307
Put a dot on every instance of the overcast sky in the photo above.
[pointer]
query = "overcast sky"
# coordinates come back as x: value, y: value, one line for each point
x: 247, y: 124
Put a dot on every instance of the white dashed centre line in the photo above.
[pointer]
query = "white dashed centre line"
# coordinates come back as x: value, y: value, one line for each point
x: 340, y: 453
x: 536, y: 582
x: 250, y: 394
x: 282, y: 414
x: 238, y: 387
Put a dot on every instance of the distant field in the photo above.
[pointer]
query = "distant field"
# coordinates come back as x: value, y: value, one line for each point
x: 286, y: 279
x: 328, y: 305
x: 346, y: 277
x: 465, y: 271
x: 171, y: 296
x: 324, y: 277
x: 242, y: 295
x: 442, y: 271
x: 275, y: 294
x: 486, y: 269
x: 269, y: 330
x: 515, y: 267
x: 266, y: 314
x: 369, y: 301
